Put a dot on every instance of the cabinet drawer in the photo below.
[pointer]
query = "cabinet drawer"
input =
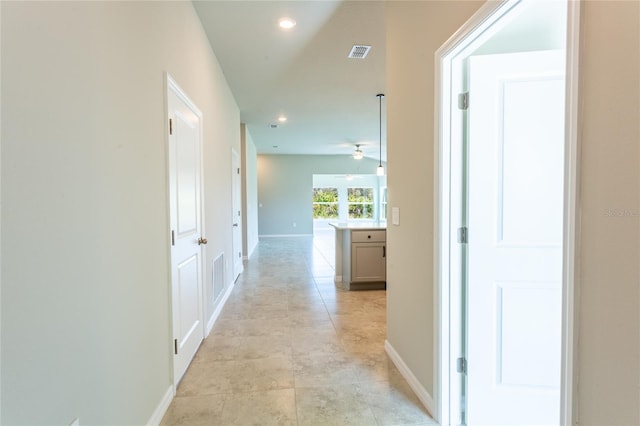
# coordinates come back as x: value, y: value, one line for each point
x: 377, y: 236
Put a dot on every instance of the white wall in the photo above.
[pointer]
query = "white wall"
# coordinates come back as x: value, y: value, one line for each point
x: 249, y: 193
x: 608, y: 358
x: 285, y: 185
x: 609, y: 322
x: 415, y: 30
x: 85, y: 247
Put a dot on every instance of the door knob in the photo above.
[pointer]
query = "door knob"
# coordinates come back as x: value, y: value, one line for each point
x: 202, y: 241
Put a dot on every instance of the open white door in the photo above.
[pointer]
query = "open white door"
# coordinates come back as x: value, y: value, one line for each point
x: 185, y: 177
x: 516, y: 172
x: 236, y: 212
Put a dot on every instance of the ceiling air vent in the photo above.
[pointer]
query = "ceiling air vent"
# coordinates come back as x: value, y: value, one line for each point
x: 359, y: 51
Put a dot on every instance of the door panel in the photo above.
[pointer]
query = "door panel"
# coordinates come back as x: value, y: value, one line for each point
x: 186, y: 157
x: 515, y: 166
x: 187, y: 184
x: 368, y: 262
x: 531, y: 159
x: 527, y: 349
x: 186, y: 227
x: 188, y: 296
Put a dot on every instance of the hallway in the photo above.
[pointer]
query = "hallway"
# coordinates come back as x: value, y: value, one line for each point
x: 290, y: 348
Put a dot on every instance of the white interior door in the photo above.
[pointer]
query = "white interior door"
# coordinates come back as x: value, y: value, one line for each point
x: 516, y: 151
x: 236, y: 212
x: 185, y: 177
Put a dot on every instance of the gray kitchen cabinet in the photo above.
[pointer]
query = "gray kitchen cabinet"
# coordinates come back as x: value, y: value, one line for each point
x: 361, y: 256
x: 368, y: 256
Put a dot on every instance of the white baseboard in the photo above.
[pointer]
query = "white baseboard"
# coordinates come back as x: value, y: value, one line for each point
x: 161, y: 409
x: 417, y: 387
x: 285, y: 235
x: 218, y: 309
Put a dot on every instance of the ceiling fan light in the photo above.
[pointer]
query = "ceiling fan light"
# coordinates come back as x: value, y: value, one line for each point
x: 358, y: 154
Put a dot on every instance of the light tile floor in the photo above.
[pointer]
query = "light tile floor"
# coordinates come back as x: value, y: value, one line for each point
x: 290, y: 348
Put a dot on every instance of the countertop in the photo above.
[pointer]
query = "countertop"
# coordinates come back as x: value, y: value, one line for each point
x: 359, y: 225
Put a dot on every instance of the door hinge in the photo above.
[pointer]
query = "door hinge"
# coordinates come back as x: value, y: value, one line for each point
x: 463, y: 101
x: 175, y: 346
x: 170, y: 126
x: 463, y: 235
x: 461, y: 365
x: 238, y: 170
x: 173, y: 237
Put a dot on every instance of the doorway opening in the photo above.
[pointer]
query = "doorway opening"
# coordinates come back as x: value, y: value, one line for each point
x: 506, y: 175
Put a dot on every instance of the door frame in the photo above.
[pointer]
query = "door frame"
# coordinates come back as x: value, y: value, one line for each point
x: 171, y: 85
x: 236, y: 190
x: 447, y: 316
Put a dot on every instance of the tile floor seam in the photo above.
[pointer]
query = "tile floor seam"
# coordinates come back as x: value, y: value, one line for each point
x: 295, y: 404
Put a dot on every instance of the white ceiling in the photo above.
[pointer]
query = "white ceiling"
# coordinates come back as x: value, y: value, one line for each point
x: 304, y: 73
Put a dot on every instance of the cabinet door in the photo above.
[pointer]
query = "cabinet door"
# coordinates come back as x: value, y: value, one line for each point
x: 368, y: 262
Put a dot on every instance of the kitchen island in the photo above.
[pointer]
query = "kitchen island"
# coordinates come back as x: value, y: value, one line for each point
x: 361, y: 255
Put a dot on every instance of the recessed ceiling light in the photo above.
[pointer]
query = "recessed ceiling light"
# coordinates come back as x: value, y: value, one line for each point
x: 286, y: 23
x: 282, y: 119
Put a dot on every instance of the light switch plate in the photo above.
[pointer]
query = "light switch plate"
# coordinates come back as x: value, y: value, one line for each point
x: 395, y: 215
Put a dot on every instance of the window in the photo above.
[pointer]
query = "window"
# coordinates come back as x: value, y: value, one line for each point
x: 325, y: 203
x: 360, y: 202
x: 383, y: 204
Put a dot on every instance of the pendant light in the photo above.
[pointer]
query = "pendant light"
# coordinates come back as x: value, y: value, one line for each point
x: 380, y: 170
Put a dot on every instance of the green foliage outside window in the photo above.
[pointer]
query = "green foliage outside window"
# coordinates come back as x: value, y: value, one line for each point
x: 325, y: 203
x: 360, y: 201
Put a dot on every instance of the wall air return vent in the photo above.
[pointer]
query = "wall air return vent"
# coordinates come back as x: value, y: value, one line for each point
x: 359, y: 51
